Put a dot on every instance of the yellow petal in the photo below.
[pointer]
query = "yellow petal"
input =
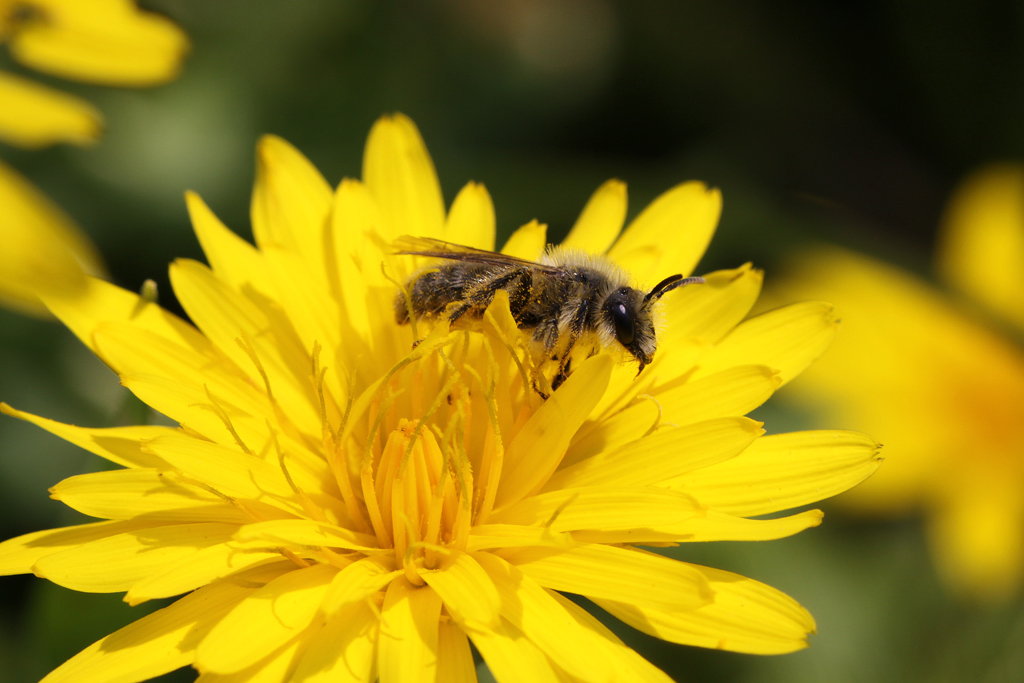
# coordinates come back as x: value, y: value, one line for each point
x: 626, y: 663
x: 744, y: 616
x: 784, y: 471
x: 99, y: 302
x: 981, y: 248
x: 488, y: 536
x: 238, y: 328
x: 709, y: 526
x: 155, y: 644
x: 19, y: 554
x: 357, y: 581
x: 787, y: 339
x: 400, y: 175
x: 314, y: 314
x: 612, y: 508
x: 600, y: 571
x: 708, y: 311
x: 144, y: 493
x: 116, y: 563
x: 601, y: 221
x: 407, y: 649
x: 978, y: 537
x: 274, y: 666
x: 576, y: 649
x: 471, y: 219
x: 671, y: 234
x: 344, y: 650
x: 528, y: 242
x: 235, y: 261
x: 227, y: 471
x: 196, y: 570
x: 290, y: 204
x: 105, y: 41
x: 354, y: 260
x: 735, y: 391
x: 538, y: 447
x: 35, y: 116
x: 614, y: 432
x: 305, y: 532
x: 44, y: 252
x: 120, y: 445
x: 511, y: 656
x: 664, y: 455
x: 265, y: 620
x: 462, y: 582
x: 454, y: 658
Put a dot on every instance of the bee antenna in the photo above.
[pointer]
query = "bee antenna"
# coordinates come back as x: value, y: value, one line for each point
x: 670, y: 283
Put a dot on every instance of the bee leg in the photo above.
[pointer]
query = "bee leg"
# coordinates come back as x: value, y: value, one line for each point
x: 575, y: 327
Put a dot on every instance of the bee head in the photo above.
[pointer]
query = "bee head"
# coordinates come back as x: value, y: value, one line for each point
x: 628, y: 315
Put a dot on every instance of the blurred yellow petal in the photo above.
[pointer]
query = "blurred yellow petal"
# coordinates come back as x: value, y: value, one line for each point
x: 407, y: 650
x: 110, y: 42
x: 265, y: 620
x: 981, y: 246
x: 743, y: 616
x: 34, y: 115
x: 977, y: 532
x: 601, y: 221
x: 671, y: 234
x: 44, y: 252
x: 400, y: 175
x: 471, y: 220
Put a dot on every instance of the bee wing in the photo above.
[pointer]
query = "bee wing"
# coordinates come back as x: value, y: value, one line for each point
x: 431, y: 248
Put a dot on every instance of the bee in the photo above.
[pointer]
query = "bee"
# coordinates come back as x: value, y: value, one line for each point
x: 568, y: 299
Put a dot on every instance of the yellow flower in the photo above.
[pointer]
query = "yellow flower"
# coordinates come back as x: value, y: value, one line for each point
x: 940, y: 384
x: 341, y: 503
x: 108, y: 42
x: 42, y: 247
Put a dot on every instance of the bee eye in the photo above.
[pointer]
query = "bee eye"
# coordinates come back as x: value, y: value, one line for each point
x: 624, y: 331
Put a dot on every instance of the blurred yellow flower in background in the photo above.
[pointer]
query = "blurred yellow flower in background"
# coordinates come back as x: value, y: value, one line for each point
x: 342, y: 503
x: 938, y: 376
x: 106, y: 42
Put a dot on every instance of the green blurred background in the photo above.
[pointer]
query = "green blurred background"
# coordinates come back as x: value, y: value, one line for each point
x: 843, y: 121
